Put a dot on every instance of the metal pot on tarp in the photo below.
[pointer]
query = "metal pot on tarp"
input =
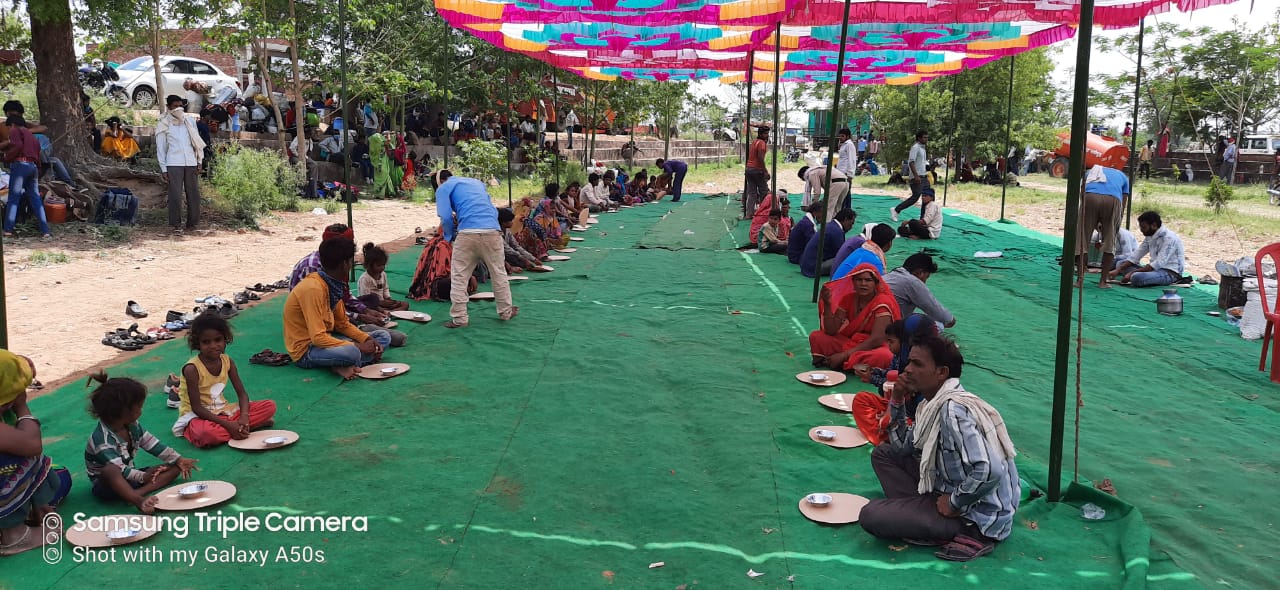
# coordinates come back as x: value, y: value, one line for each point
x: 1170, y: 303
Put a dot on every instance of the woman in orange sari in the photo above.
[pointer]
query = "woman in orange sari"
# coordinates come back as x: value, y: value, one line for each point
x: 854, y: 311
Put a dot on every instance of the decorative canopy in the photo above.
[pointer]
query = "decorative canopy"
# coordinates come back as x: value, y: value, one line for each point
x: 888, y: 41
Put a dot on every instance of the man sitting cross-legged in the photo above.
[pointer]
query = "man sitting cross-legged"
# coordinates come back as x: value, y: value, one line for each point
x: 948, y: 478
x: 314, y: 312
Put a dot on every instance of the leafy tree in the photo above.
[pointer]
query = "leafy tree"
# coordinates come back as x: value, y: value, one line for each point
x: 15, y: 36
x: 979, y: 127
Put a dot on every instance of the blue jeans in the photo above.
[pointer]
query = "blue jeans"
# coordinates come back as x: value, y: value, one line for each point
x: 1154, y: 278
x: 345, y: 355
x: 22, y: 183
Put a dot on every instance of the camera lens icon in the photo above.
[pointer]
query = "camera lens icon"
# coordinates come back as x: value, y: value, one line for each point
x: 51, y: 529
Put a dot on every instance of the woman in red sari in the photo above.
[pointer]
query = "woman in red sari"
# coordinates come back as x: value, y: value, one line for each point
x: 761, y: 217
x: 854, y: 312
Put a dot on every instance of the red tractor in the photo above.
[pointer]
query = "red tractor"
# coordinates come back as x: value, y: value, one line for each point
x: 1097, y: 150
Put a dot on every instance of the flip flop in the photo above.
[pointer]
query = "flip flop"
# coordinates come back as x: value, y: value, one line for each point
x: 259, y: 287
x: 281, y: 284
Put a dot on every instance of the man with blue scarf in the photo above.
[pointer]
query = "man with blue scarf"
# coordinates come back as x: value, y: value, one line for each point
x: 314, y: 313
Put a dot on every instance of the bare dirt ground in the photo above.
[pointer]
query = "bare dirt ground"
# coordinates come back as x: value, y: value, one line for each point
x: 57, y: 313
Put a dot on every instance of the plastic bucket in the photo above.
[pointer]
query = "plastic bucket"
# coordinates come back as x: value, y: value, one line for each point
x: 55, y: 212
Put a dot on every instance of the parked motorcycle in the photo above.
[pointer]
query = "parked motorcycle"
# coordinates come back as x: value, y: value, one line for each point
x: 100, y: 78
x: 793, y: 154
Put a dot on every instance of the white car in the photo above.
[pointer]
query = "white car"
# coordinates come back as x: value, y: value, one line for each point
x: 139, y: 79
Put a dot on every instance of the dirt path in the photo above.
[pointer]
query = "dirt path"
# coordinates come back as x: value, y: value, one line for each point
x: 1247, y: 208
x: 58, y: 312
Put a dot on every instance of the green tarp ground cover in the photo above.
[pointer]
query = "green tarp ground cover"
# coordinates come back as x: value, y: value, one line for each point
x: 643, y: 408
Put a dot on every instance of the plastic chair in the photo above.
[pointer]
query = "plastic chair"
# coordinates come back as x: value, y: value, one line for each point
x: 1270, y: 311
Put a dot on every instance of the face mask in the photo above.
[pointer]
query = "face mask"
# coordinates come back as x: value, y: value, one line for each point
x: 177, y: 112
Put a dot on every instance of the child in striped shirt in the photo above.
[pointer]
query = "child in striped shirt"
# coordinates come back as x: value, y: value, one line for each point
x: 113, y: 444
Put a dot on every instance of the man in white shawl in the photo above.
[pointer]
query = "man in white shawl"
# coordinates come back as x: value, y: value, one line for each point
x: 180, y: 150
x: 949, y: 478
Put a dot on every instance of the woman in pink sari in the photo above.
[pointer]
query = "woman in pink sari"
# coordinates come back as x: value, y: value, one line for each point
x: 854, y: 312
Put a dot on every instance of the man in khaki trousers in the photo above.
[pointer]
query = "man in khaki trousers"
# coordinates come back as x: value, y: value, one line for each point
x: 469, y: 220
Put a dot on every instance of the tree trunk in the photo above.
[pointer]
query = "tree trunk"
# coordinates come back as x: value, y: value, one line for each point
x: 161, y: 104
x: 299, y: 107
x: 57, y: 91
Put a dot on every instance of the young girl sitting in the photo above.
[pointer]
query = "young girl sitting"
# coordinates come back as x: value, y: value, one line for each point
x: 871, y: 410
x: 373, y: 283
x: 108, y: 457
x: 205, y: 417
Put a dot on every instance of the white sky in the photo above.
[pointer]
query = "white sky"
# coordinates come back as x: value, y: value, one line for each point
x: 1217, y: 17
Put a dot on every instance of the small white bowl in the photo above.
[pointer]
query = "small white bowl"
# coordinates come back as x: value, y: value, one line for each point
x: 121, y: 536
x: 192, y: 491
x: 390, y: 370
x: 275, y: 441
x: 818, y: 499
x: 817, y: 377
x: 825, y: 434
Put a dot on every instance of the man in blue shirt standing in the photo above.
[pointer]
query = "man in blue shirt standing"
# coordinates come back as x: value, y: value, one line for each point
x: 469, y: 220
x: 810, y: 265
x: 677, y: 169
x: 1105, y: 191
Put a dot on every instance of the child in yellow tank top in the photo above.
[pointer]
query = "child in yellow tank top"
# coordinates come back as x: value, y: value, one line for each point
x: 206, y: 417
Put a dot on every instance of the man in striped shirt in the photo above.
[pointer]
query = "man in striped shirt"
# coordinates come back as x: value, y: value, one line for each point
x: 949, y: 478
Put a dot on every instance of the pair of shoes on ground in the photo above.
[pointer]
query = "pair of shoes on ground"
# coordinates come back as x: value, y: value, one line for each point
x: 128, y: 338
x: 261, y: 288
x: 270, y: 358
x: 171, y: 387
x: 244, y: 297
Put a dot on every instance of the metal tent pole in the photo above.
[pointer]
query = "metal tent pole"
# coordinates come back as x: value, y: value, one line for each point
x: 511, y: 126
x: 777, y: 134
x: 4, y: 312
x: 1133, y: 136
x: 917, y: 105
x: 831, y: 128
x: 555, y: 109
x: 1008, y: 141
x: 445, y: 102
x: 346, y: 111
x: 1075, y: 173
x: 951, y: 149
x: 751, y: 71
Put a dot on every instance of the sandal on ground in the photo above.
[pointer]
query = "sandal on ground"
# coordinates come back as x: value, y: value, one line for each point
x: 139, y: 337
x: 452, y: 324
x: 228, y: 311
x: 176, y: 325
x: 173, y: 316
x: 270, y: 358
x: 159, y: 333
x: 241, y: 298
x: 120, y: 341
x: 965, y: 548
x: 31, y: 539
x: 281, y: 284
x: 259, y: 287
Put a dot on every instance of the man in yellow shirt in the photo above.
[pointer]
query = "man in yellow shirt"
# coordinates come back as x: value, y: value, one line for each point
x: 314, y: 313
x: 1144, y: 159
